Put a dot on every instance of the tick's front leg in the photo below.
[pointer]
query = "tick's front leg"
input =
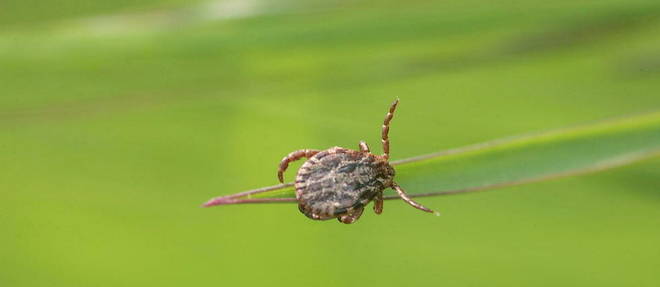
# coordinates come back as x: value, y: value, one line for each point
x: 385, y: 138
x: 409, y: 200
x: 296, y: 155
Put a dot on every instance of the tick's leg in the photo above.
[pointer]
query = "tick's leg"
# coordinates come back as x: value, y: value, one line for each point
x: 296, y: 155
x: 351, y: 217
x: 409, y: 200
x: 364, y: 147
x: 386, y: 129
x: 378, y: 203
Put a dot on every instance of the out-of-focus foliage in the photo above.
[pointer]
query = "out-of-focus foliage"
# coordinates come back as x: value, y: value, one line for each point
x: 113, y: 128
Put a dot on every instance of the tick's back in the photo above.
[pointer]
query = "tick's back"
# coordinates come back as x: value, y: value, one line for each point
x: 337, y: 181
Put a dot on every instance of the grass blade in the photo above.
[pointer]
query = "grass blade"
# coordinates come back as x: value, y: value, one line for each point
x: 510, y: 161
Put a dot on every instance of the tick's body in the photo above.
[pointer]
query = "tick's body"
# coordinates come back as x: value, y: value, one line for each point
x: 339, y: 182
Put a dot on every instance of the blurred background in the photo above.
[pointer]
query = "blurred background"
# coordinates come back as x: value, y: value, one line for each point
x: 119, y: 118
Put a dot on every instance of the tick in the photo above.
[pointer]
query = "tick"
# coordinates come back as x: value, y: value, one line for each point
x: 339, y: 182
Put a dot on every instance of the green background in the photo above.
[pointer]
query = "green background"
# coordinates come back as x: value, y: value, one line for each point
x: 118, y: 119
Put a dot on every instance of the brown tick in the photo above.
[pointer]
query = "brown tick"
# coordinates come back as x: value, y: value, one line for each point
x: 339, y: 182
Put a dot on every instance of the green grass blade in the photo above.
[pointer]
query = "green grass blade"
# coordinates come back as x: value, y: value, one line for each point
x: 510, y: 161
